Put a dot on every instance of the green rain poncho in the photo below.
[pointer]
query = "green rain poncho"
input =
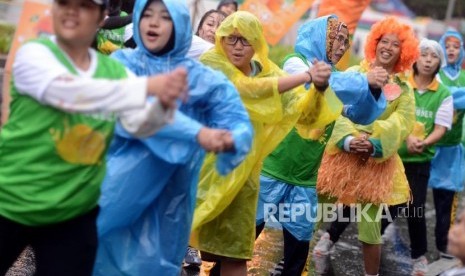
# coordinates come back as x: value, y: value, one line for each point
x: 224, y: 218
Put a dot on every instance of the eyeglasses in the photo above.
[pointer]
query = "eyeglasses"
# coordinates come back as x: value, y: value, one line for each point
x: 342, y: 40
x: 232, y: 40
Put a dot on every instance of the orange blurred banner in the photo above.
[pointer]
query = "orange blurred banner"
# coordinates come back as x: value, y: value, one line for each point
x: 276, y: 16
x: 348, y: 11
x: 35, y: 21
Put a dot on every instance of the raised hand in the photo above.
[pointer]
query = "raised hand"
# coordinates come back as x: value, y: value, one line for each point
x: 320, y: 73
x: 168, y: 87
x: 377, y: 77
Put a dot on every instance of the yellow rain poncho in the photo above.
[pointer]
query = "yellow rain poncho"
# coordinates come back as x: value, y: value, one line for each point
x: 379, y: 180
x: 224, y: 218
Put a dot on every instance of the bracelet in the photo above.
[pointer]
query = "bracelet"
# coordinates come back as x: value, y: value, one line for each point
x: 310, y: 75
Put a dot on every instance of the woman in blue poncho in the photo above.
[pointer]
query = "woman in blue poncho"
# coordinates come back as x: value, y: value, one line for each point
x: 149, y: 193
x: 447, y: 173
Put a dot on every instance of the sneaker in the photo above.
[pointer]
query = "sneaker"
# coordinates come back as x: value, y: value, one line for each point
x: 192, y: 257
x: 278, y: 269
x: 321, y: 254
x: 420, y: 266
x: 446, y: 256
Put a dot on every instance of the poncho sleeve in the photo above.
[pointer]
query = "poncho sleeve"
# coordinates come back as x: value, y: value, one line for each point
x: 352, y: 88
x: 458, y: 94
x: 391, y: 128
x: 396, y: 123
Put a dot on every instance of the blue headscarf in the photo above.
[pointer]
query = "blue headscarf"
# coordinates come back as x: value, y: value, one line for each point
x: 350, y: 87
x: 310, y: 37
x: 452, y: 70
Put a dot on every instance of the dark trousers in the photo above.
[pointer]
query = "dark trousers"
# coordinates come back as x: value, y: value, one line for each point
x: 66, y: 248
x: 417, y: 176
x: 444, y: 205
x: 295, y: 252
x: 336, y: 228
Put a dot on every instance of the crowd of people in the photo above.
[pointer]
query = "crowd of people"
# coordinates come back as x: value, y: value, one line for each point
x: 141, y: 147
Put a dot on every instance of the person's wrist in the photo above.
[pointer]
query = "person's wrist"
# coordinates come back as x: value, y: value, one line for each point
x: 310, y: 76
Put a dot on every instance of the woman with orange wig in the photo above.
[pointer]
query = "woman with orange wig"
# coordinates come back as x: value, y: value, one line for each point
x: 361, y: 164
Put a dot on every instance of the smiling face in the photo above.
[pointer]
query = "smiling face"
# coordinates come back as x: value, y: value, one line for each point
x: 76, y: 21
x: 155, y: 26
x: 237, y: 53
x: 209, y: 26
x: 340, y: 45
x: 388, y: 51
x: 428, y: 63
x: 456, y: 238
x: 452, y: 50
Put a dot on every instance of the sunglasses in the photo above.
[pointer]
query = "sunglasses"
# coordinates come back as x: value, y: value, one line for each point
x: 232, y: 40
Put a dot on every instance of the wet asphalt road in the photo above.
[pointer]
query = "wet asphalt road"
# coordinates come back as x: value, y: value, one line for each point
x: 346, y: 259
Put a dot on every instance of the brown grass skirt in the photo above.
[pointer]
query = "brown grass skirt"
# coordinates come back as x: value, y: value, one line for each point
x: 346, y: 177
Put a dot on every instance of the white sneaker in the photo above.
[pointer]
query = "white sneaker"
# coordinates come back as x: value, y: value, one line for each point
x: 446, y: 256
x: 420, y: 266
x: 321, y: 254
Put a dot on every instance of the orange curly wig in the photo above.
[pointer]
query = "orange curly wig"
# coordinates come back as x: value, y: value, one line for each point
x: 409, y: 43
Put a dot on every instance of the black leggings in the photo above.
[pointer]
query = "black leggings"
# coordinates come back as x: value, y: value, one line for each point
x: 295, y: 252
x: 417, y: 176
x: 445, y: 203
x: 66, y: 248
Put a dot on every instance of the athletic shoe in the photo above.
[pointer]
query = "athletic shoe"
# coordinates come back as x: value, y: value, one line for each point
x: 192, y: 257
x: 420, y: 266
x: 321, y: 254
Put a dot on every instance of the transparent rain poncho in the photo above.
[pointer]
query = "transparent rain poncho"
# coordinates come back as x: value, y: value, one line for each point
x: 224, y: 219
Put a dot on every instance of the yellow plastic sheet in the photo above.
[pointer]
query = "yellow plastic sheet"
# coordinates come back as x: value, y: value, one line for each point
x: 317, y: 113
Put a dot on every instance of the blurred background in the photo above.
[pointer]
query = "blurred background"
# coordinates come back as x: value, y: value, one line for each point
x: 281, y: 18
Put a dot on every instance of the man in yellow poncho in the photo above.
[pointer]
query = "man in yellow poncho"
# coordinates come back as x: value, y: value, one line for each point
x: 224, y: 219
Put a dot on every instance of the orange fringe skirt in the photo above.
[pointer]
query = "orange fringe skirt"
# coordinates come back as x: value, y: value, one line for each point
x: 349, y: 179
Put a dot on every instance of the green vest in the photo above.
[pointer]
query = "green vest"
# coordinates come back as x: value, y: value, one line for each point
x: 426, y: 106
x: 454, y: 135
x: 53, y: 162
x: 296, y: 160
x: 111, y: 40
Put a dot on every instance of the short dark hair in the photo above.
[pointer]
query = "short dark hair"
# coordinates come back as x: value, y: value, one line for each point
x: 202, y: 20
x: 226, y: 2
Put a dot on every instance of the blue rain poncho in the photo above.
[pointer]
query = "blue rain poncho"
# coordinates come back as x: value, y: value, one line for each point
x: 148, y: 195
x: 448, y: 164
x: 350, y: 87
